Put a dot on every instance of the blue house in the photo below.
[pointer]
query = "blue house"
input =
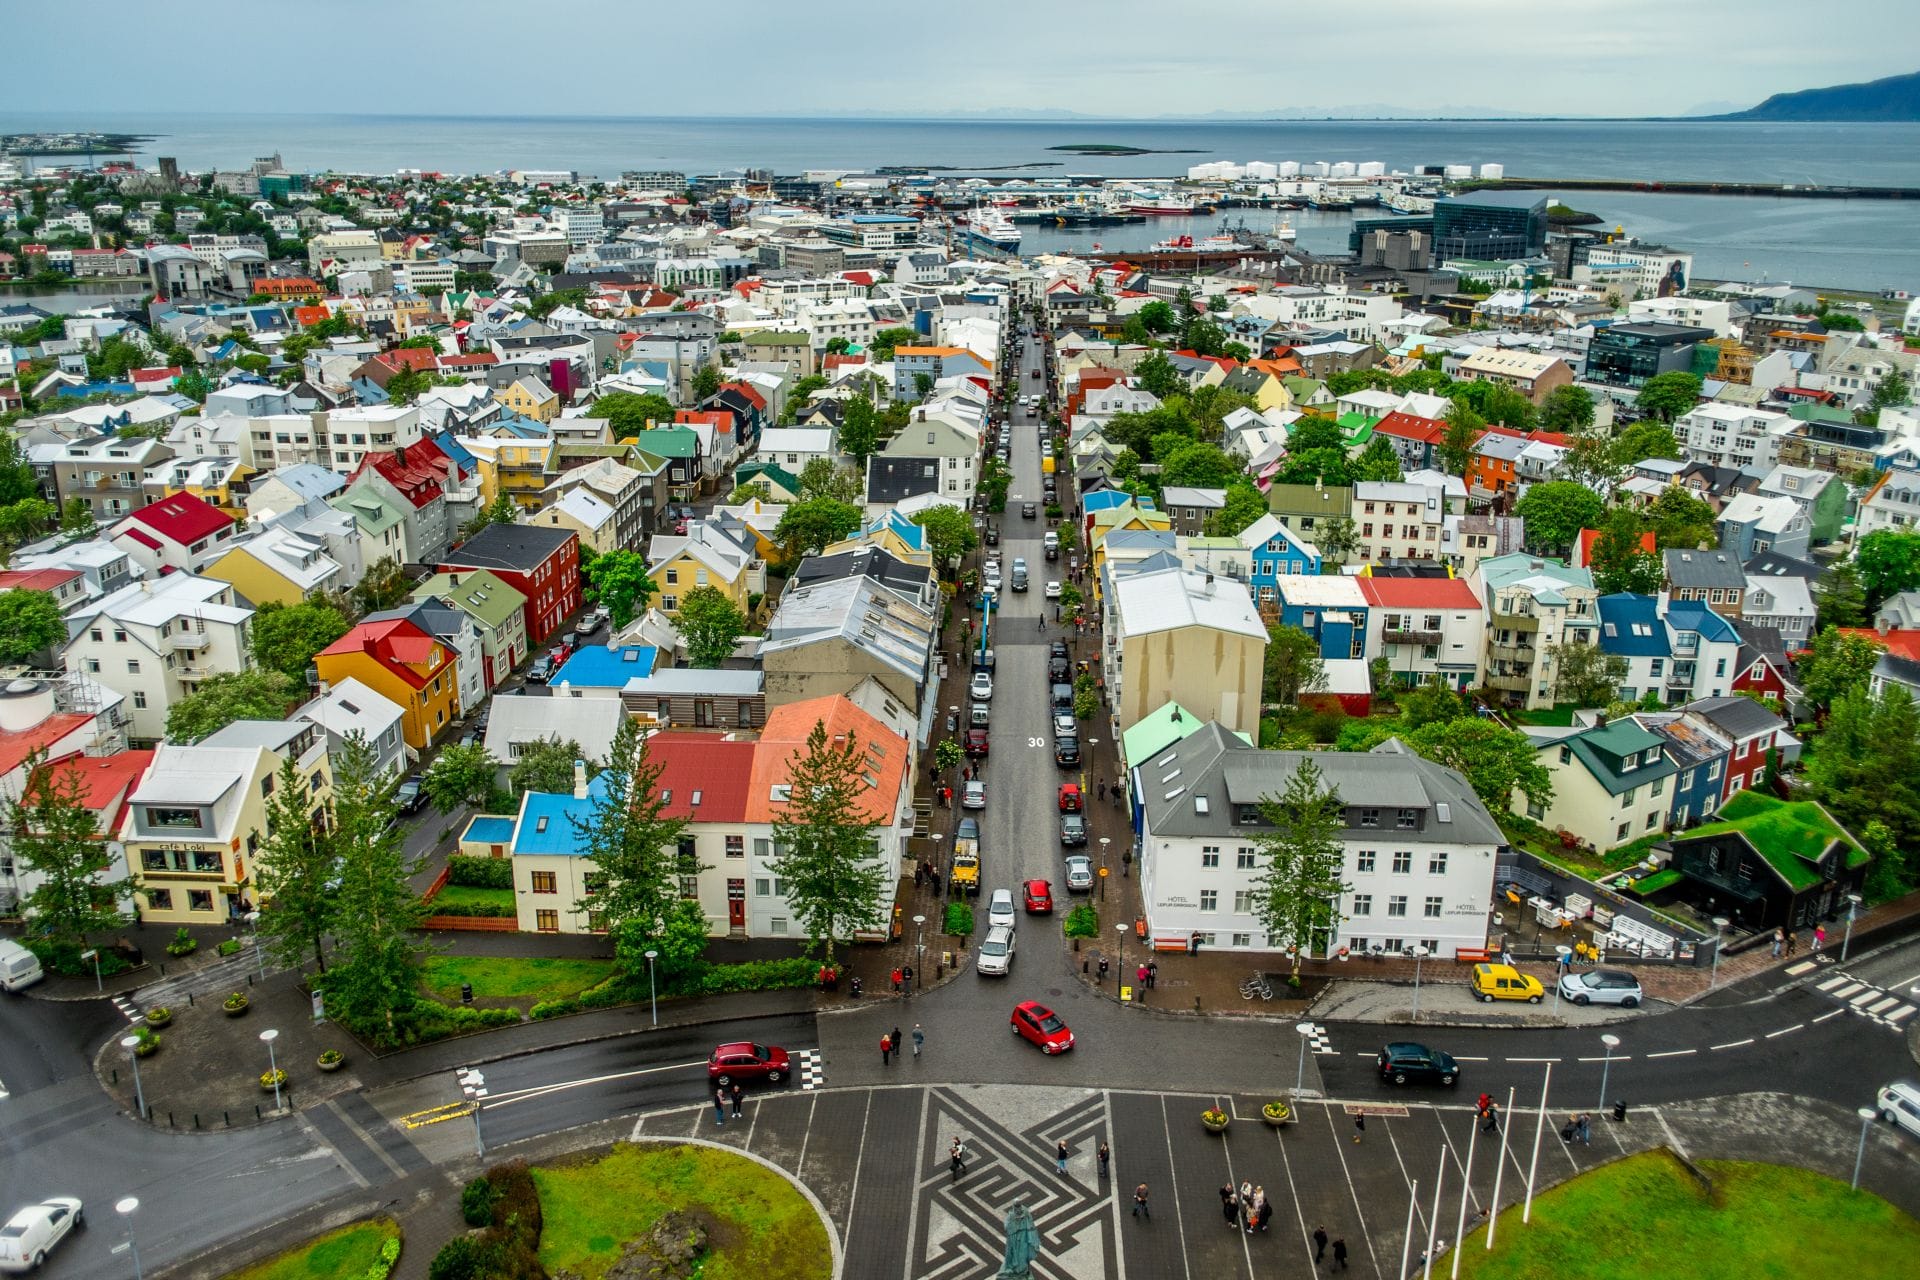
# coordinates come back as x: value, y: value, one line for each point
x: 596, y: 667
x: 1699, y: 755
x: 1276, y: 552
x: 1631, y: 628
x: 1332, y: 609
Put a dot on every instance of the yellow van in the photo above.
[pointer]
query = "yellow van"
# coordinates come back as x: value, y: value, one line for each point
x: 1504, y: 982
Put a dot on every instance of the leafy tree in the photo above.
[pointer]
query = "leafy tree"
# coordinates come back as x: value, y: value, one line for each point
x: 1157, y: 377
x: 950, y: 534
x: 76, y: 517
x: 1348, y: 381
x: 384, y: 585
x: 546, y: 766
x: 1892, y: 392
x: 1337, y: 538
x: 22, y: 522
x: 1836, y: 664
x: 1293, y: 665
x: 627, y: 413
x: 295, y: 871
x: 709, y: 622
x: 1681, y: 520
x: 1556, y: 511
x: 1620, y: 561
x: 1644, y: 440
x: 1868, y: 766
x: 1378, y: 461
x: 225, y: 697
x: 859, y: 431
x: 54, y: 837
x: 1668, y: 395
x: 1590, y: 460
x: 376, y: 965
x: 1297, y: 893
x: 1496, y: 761
x: 1432, y: 703
x: 1460, y: 439
x: 1158, y: 317
x: 408, y: 385
x: 820, y: 478
x: 1197, y: 465
x: 1888, y: 562
x: 1331, y: 467
x: 881, y: 349
x: 30, y: 621
x: 807, y: 527
x: 1494, y: 402
x: 1315, y: 432
x: 1841, y: 599
x: 1244, y: 505
x: 706, y: 383
x: 619, y: 580
x: 1567, y: 409
x: 547, y: 303
x: 462, y: 775
x: 285, y: 637
x: 823, y: 841
x: 1585, y: 674
x: 635, y: 848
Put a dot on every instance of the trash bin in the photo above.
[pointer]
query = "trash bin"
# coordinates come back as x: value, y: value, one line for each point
x: 1619, y: 1110
x: 466, y: 993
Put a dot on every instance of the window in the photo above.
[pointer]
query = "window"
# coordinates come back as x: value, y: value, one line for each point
x: 1623, y: 830
x: 545, y: 882
x: 93, y: 666
x: 1209, y: 899
x: 1369, y: 817
x: 1244, y: 858
x: 1653, y: 820
x: 200, y: 900
x: 1242, y: 939
x: 139, y: 700
x: 1244, y: 900
x: 1407, y: 820
x: 133, y: 666
x: 266, y: 786
x: 1397, y: 905
x: 1209, y: 857
x: 1363, y: 860
x: 173, y: 819
x: 1403, y: 862
x: 1437, y: 863
x: 1362, y: 904
x: 673, y: 577
x: 547, y: 921
x: 1656, y: 786
x: 1432, y: 911
x: 159, y: 899
x: 690, y: 887
x: 736, y: 846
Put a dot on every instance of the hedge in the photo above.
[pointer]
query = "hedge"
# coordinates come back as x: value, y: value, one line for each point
x: 706, y: 980
x: 425, y: 1021
x: 472, y: 910
x: 480, y: 873
x: 959, y: 920
x: 64, y: 958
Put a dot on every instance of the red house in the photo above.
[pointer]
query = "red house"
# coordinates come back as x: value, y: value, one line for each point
x: 542, y: 564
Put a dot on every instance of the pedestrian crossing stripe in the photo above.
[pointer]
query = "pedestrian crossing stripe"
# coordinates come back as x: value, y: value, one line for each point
x: 1867, y: 1000
x: 813, y: 1070
x: 127, y: 1010
x: 1317, y: 1036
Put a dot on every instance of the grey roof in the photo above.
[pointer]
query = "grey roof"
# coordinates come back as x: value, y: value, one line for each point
x: 892, y: 479
x: 722, y: 681
x: 274, y: 735
x: 1741, y: 717
x: 864, y: 562
x: 1772, y: 564
x: 508, y: 546
x: 1704, y: 569
x: 857, y: 611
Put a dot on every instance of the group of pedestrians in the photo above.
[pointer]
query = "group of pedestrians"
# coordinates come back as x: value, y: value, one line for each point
x: 892, y: 1045
x: 724, y: 1095
x: 1245, y: 1206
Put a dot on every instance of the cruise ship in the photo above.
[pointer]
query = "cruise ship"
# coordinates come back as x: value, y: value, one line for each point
x: 991, y: 227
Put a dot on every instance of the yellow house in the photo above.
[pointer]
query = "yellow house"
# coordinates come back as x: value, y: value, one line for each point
x: 511, y: 466
x: 1128, y: 515
x: 894, y: 534
x: 403, y: 664
x: 276, y: 566
x: 586, y: 514
x: 705, y: 557
x: 1267, y: 391
x: 213, y: 480
x: 530, y: 398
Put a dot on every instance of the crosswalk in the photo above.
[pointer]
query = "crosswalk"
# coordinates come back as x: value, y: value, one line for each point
x: 229, y: 973
x: 1318, y: 1038
x: 129, y: 1010
x: 1871, y: 1002
x: 812, y: 1072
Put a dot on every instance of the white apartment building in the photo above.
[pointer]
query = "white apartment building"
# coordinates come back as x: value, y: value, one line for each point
x: 1728, y: 435
x: 1894, y: 501
x: 849, y: 318
x: 1643, y: 266
x: 1704, y: 313
x: 353, y: 431
x: 156, y: 640
x: 1396, y: 520
x: 344, y: 250
x: 581, y: 224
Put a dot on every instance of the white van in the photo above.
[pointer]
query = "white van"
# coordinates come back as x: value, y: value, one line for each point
x: 1052, y: 541
x: 19, y: 967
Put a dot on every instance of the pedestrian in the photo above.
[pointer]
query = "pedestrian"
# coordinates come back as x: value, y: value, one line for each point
x: 720, y: 1105
x: 1246, y: 1206
x: 1262, y: 1208
x: 1793, y: 942
x: 737, y: 1093
x: 920, y: 876
x: 1140, y: 1203
x: 1103, y: 968
x: 1779, y: 942
x: 1230, y: 1206
x: 899, y: 1042
x: 956, y: 1158
x: 1153, y: 974
x: 1193, y: 945
x: 896, y: 980
x: 1319, y: 1244
x: 1104, y: 1157
x: 1359, y: 1127
x: 1490, y: 1118
x: 919, y: 1039
x: 1103, y: 789
x: 1583, y: 1128
x: 1060, y: 1155
x: 935, y: 875
x: 1140, y: 975
x: 886, y: 1049
x: 1819, y: 937
x: 1340, y: 1252
x: 906, y: 977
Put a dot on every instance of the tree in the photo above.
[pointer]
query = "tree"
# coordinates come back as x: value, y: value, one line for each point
x: 1337, y: 538
x: 1315, y: 432
x: 1197, y: 465
x: 1432, y: 703
x: 30, y: 621
x: 950, y: 534
x: 709, y: 622
x: 619, y: 581
x: 823, y: 839
x: 1293, y: 665
x: 1566, y: 410
x: 1621, y: 561
x: 1888, y: 562
x: 462, y: 775
x: 1644, y: 440
x: 1556, y: 511
x: 547, y: 303
x: 407, y: 385
x: 1330, y: 467
x: 1868, y: 766
x: 1835, y: 665
x: 54, y: 837
x: 859, y: 431
x: 1378, y: 461
x: 1668, y: 395
x: 1460, y: 439
x: 76, y: 517
x: 1244, y: 504
x: 17, y: 478
x: 880, y: 350
x: 1494, y: 402
x: 807, y: 527
x: 294, y: 874
x: 1681, y: 520
x: 1297, y: 893
x: 285, y: 637
x: 1158, y: 317
x: 1496, y: 761
x: 706, y: 383
x: 1157, y: 376
x: 384, y: 585
x: 1585, y: 674
x: 628, y: 413
x: 635, y: 848
x: 225, y: 697
x: 1891, y: 392
x: 820, y: 478
x: 545, y: 766
x: 22, y: 522
x: 377, y: 954
x: 1841, y: 599
x: 1590, y: 460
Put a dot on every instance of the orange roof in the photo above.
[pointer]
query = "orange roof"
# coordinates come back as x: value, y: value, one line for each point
x: 785, y: 737
x: 16, y: 746
x: 1418, y: 593
x: 398, y: 645
x: 1901, y: 642
x: 103, y: 782
x: 1583, y: 546
x: 307, y: 317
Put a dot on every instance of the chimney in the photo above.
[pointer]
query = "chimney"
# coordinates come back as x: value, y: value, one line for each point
x: 579, y: 779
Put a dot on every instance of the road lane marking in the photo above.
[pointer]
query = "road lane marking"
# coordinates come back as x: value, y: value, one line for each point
x: 1881, y: 1006
x: 1672, y: 1053
x: 1734, y: 1044
x: 1898, y: 1014
x: 1836, y: 980
x: 1831, y: 1013
x: 541, y: 1091
x: 1533, y: 1059
x: 1843, y: 992
x: 1618, y: 1057
x: 1795, y: 970
x: 1785, y: 1030
x: 1461, y: 1057
x: 1871, y: 993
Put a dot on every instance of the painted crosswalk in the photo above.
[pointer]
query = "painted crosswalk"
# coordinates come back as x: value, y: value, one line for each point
x: 1867, y: 1000
x: 129, y: 1010
x: 1317, y: 1037
x: 812, y: 1072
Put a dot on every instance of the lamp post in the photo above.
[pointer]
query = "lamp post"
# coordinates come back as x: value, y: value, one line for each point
x: 125, y: 1208
x: 653, y: 992
x: 253, y: 918
x: 1853, y: 907
x: 1560, y: 970
x: 130, y: 1043
x: 1119, y: 974
x: 473, y: 1087
x: 93, y: 954
x: 1104, y: 842
x: 919, y: 948
x: 1719, y: 936
x: 1300, y: 1073
x: 273, y: 1068
x: 1419, y: 954
x: 1606, y: 1065
x: 1866, y: 1115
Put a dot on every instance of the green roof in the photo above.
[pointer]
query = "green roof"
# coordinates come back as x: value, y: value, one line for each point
x: 778, y: 478
x: 1791, y: 835
x: 1159, y: 730
x: 670, y: 442
x: 369, y: 508
x: 775, y: 338
x: 1820, y: 413
x: 1600, y: 748
x: 479, y: 592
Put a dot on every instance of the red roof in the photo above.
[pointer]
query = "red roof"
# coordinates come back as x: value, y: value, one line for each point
x: 16, y: 746
x: 472, y: 360
x: 36, y: 579
x: 398, y: 645
x: 716, y: 418
x: 417, y: 470
x: 1411, y: 426
x: 1418, y: 593
x: 1583, y: 546
x: 167, y: 374
x: 862, y: 278
x: 748, y: 390
x: 307, y: 317
x: 716, y: 768
x: 1901, y: 642
x: 104, y: 782
x: 420, y: 359
x: 184, y: 518
x: 836, y: 359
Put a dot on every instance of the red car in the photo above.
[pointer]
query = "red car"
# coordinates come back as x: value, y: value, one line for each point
x: 744, y: 1060
x: 1035, y: 1022
x: 976, y: 742
x: 1071, y: 801
x: 1039, y: 898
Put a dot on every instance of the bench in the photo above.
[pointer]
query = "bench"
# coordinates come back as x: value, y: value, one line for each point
x: 1170, y: 944
x: 1472, y: 955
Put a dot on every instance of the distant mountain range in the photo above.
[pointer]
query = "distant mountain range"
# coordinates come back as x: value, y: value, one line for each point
x: 1894, y: 98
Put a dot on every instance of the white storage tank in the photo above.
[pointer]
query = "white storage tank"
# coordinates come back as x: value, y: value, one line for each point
x: 1493, y: 172
x: 1373, y: 169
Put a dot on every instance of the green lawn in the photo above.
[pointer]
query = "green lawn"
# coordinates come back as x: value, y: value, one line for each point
x: 339, y: 1255
x: 1644, y: 1216
x: 511, y: 977
x: 1559, y: 717
x: 455, y: 896
x: 759, y: 1224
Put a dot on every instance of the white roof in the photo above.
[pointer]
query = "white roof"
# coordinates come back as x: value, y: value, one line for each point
x: 352, y: 707
x: 795, y: 440
x: 1169, y: 599
x: 1328, y: 591
x: 591, y: 722
x: 152, y: 601
x: 584, y: 507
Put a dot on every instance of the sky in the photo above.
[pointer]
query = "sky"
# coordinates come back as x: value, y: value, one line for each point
x: 1110, y: 59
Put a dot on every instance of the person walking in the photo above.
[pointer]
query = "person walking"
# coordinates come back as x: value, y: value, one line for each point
x: 1262, y: 1208
x: 1140, y: 1209
x: 1779, y: 941
x: 886, y: 1049
x: 1359, y: 1127
x: 1153, y: 974
x: 896, y: 980
x: 736, y: 1094
x: 1060, y: 1155
x: 1490, y: 1118
x: 919, y: 1039
x: 1104, y: 1157
x: 906, y: 979
x: 720, y: 1105
x: 1319, y: 1244
x: 1583, y: 1128
x: 956, y: 1159
x: 1340, y: 1252
x: 1103, y: 968
x: 1103, y: 790
x: 1230, y: 1206
x: 899, y: 1042
x: 1819, y: 937
x: 1793, y: 942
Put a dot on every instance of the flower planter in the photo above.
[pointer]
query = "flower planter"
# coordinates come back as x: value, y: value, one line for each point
x: 1286, y: 1115
x: 233, y: 1010
x: 330, y: 1064
x: 148, y: 1046
x: 1215, y: 1125
x: 267, y: 1084
x: 158, y: 1018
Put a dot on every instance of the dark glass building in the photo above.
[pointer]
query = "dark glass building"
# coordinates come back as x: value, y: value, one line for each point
x: 1626, y: 355
x: 1490, y: 225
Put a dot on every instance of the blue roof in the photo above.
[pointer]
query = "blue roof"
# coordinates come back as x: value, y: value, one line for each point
x: 455, y: 450
x: 879, y: 217
x: 489, y: 831
x: 1630, y: 626
x: 1691, y: 615
x: 913, y: 535
x: 1101, y: 499
x: 596, y: 666
x: 547, y: 822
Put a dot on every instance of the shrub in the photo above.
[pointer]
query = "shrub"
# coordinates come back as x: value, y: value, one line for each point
x: 1082, y: 922
x: 64, y: 958
x: 704, y: 980
x: 480, y: 873
x: 959, y: 921
x: 472, y: 910
x: 389, y: 1257
x: 510, y: 1246
x: 229, y: 948
x: 476, y: 1202
x: 459, y: 1259
x: 183, y: 944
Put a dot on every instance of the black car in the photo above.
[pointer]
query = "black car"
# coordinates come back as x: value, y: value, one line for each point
x: 408, y: 797
x: 1073, y: 829
x: 1405, y: 1061
x: 1028, y: 510
x: 1059, y: 671
x: 1060, y: 697
x: 1057, y: 649
x: 993, y: 535
x: 1066, y: 749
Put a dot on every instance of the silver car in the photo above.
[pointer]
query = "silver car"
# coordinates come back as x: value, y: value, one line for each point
x: 1000, y: 909
x: 995, y: 956
x: 1601, y: 986
x: 1079, y: 874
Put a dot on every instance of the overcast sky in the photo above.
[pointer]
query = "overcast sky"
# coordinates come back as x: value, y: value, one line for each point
x: 1097, y: 57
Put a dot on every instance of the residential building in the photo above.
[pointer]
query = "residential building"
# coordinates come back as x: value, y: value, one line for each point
x: 455, y: 629
x: 108, y: 473
x: 277, y: 565
x: 1176, y: 635
x: 100, y: 783
x: 1534, y: 605
x: 416, y: 480
x: 1713, y: 578
x: 1893, y: 500
x: 350, y: 708
x: 1275, y: 552
x: 520, y: 721
x: 693, y: 698
x: 1774, y: 863
x: 1397, y: 520
x: 174, y: 533
x: 1753, y: 524
x: 1756, y: 733
x: 1611, y: 783
x: 1306, y: 508
x: 543, y: 565
x: 826, y: 638
x: 498, y: 614
x: 1632, y: 629
x: 626, y: 492
x: 154, y: 641
x: 1332, y: 609
x: 1706, y: 652
x: 403, y: 664
x: 1699, y: 755
x: 1534, y: 374
x: 942, y: 439
x: 1425, y: 628
x: 705, y: 556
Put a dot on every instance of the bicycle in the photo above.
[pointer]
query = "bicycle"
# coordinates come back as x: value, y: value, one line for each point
x: 1256, y: 986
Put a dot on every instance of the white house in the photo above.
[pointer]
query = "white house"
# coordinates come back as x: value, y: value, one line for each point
x: 156, y: 640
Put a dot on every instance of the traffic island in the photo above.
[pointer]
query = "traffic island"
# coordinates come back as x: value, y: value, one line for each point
x: 362, y: 1251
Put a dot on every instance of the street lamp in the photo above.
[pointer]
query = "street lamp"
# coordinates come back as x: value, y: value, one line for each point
x: 1419, y: 954
x: 93, y: 954
x: 125, y: 1209
x: 473, y: 1087
x: 1104, y: 842
x: 253, y: 918
x: 130, y: 1043
x: 1853, y: 907
x: 1719, y: 936
x: 1560, y: 970
x: 1612, y: 1042
x: 1121, y: 968
x: 1867, y: 1115
x: 653, y: 996
x: 919, y: 948
x: 273, y: 1068
x: 1300, y: 1074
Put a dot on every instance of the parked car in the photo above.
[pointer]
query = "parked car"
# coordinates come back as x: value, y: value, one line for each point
x: 541, y: 669
x: 1063, y: 722
x: 980, y: 688
x: 976, y: 742
x: 1059, y: 671
x: 1060, y: 696
x: 1058, y: 649
x: 993, y: 535
x: 1071, y: 801
x: 1000, y: 909
x: 30, y: 1234
x: 1041, y: 1026
x: 1899, y: 1105
x: 1066, y: 750
x: 586, y: 627
x: 980, y: 715
x: 1601, y: 986
x: 974, y: 795
x: 408, y: 796
x: 1079, y: 873
x: 1403, y: 1061
x: 744, y: 1060
x: 1504, y: 982
x: 1073, y: 829
x: 1039, y: 897
x: 995, y: 956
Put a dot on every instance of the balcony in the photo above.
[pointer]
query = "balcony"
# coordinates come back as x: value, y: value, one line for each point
x: 188, y: 641
x: 1523, y: 653
x: 1418, y: 637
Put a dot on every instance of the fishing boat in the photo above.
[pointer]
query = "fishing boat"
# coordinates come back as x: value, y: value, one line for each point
x: 1160, y: 204
x: 1204, y: 244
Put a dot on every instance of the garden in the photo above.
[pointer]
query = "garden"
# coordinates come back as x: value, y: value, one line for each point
x: 361, y: 1251
x: 475, y: 887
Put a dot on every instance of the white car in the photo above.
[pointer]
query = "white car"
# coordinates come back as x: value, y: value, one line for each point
x: 981, y: 687
x: 1063, y: 722
x: 1053, y: 590
x: 1900, y: 1105
x: 974, y: 795
x: 1000, y: 909
x: 31, y: 1233
x: 995, y: 956
x: 1079, y: 874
